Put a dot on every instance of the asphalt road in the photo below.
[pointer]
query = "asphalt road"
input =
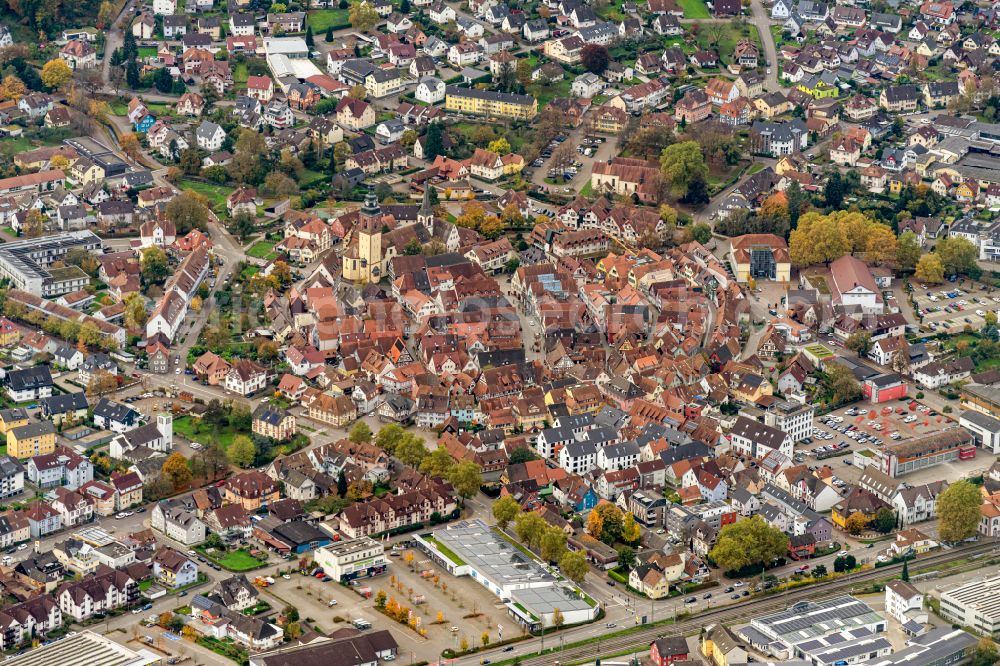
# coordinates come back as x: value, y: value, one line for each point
x: 762, y: 21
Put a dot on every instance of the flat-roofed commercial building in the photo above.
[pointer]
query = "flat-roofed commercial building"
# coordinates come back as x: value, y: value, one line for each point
x: 985, y: 429
x: 803, y: 627
x: 985, y: 399
x: 85, y: 647
x: 531, y: 592
x: 28, y: 263
x: 938, y: 647
x: 975, y: 604
x: 352, y: 559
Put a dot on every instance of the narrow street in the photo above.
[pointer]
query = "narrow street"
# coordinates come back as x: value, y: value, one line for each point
x: 762, y: 21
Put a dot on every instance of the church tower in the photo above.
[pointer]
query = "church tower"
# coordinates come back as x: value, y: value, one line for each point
x: 425, y: 215
x: 370, y: 238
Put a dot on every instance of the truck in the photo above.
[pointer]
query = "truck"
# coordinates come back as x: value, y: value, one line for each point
x: 419, y: 599
x: 263, y: 581
x: 366, y: 592
x: 361, y: 624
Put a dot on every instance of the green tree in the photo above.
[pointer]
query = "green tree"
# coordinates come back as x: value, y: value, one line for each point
x: 529, y: 528
x: 329, y: 35
x: 360, y: 433
x: 341, y: 484
x: 747, y: 543
x: 958, y: 511
x: 438, y: 463
x: 681, y: 164
x: 310, y: 41
x: 907, y: 251
x: 797, y: 201
x: 522, y: 455
x: 819, y: 571
x: 958, y: 256
x: 466, y: 478
x: 860, y: 342
x: 433, y: 143
x: 363, y: 16
x: 574, y: 565
x: 389, y: 436
x: 154, y: 265
x: 885, y: 520
x: 701, y: 232
x: 411, y: 450
x: 842, y: 382
x: 552, y: 544
x: 242, y: 452
x: 626, y: 557
x: 188, y: 210
x: 833, y: 191
x: 242, y: 225
x: 505, y: 509
x: 904, y: 575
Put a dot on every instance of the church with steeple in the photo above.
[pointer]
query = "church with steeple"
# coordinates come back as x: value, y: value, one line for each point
x: 372, y: 247
x: 363, y: 259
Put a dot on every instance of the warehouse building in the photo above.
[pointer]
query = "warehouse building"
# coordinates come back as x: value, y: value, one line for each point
x: 84, y: 647
x: 975, y: 604
x: 28, y: 263
x: 809, y: 627
x: 530, y: 591
x: 984, y: 428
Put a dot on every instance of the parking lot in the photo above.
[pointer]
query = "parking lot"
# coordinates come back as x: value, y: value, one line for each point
x: 880, y: 425
x: 464, y: 604
x: 949, y: 309
x: 467, y: 609
x: 863, y: 426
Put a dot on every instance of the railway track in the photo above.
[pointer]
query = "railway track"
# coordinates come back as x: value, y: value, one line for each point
x: 737, y: 613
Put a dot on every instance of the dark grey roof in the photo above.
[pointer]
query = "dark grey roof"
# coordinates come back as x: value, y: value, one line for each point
x: 66, y: 402
x: 758, y: 432
x: 30, y: 378
x: 115, y: 411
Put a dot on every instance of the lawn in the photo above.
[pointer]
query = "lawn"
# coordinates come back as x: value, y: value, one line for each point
x: 240, y: 74
x: 216, y: 194
x: 546, y: 93
x: 262, y: 250
x: 147, y: 52
x: 234, y: 560
x: 248, y: 272
x: 723, y: 37
x: 310, y: 177
x: 321, y: 19
x: 192, y: 429
x: 694, y: 9
x: 118, y: 107
x: 587, y: 189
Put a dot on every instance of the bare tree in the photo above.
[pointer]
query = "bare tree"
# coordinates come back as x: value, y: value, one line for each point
x: 562, y: 156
